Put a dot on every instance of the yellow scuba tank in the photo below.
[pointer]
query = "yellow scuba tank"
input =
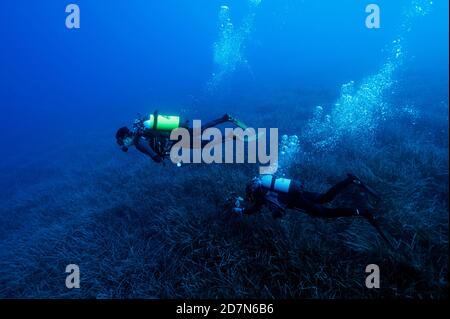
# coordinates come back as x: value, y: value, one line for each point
x: 162, y: 123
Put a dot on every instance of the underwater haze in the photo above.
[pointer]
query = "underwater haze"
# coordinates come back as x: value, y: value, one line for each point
x: 371, y: 101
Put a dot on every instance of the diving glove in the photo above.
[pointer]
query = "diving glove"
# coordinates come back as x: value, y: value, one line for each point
x: 238, y: 210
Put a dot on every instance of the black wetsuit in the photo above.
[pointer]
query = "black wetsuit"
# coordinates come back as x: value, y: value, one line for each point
x: 297, y: 198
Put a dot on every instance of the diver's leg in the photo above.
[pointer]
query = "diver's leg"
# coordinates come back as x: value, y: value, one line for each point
x: 309, y: 202
x: 231, y: 136
x: 224, y: 119
x: 209, y: 124
x: 329, y: 195
x: 325, y: 212
x: 213, y: 123
x: 357, y: 181
x: 223, y: 140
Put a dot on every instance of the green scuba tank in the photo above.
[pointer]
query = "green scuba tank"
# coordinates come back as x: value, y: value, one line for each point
x: 162, y: 123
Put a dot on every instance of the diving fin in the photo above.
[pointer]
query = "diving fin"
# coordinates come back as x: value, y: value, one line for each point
x: 372, y: 221
x: 244, y: 126
x: 357, y: 181
x: 375, y: 224
x: 238, y: 123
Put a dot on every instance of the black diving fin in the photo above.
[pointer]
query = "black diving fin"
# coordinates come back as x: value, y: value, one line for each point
x: 357, y: 181
x: 244, y: 126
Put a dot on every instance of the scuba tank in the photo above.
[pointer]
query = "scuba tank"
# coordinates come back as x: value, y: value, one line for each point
x: 272, y: 183
x: 162, y: 122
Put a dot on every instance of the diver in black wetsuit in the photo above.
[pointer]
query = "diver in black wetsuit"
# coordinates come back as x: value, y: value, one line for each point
x: 279, y: 194
x: 152, y: 136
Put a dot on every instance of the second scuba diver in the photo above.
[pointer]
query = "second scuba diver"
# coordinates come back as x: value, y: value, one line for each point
x: 279, y: 194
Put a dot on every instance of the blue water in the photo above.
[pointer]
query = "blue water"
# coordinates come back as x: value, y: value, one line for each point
x: 65, y: 92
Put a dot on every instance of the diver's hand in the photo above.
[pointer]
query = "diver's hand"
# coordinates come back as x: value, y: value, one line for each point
x: 233, y: 203
x: 238, y: 210
x: 237, y: 201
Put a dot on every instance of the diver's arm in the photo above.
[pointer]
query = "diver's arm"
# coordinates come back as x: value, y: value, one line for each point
x: 143, y: 146
x: 252, y: 209
x: 274, y: 206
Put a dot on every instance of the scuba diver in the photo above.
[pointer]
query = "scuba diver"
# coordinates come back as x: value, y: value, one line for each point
x: 152, y: 136
x: 279, y: 194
